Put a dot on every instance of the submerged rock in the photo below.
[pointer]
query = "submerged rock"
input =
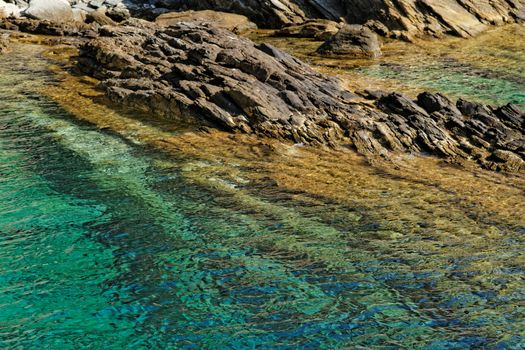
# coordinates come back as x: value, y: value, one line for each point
x: 233, y: 22
x: 4, y: 44
x: 352, y: 41
x: 318, y: 29
x: 210, y: 76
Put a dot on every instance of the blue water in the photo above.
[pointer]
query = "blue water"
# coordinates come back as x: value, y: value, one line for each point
x: 106, y: 244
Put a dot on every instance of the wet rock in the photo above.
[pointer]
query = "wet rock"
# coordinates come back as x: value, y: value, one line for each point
x: 209, y: 76
x: 4, y: 44
x: 235, y: 23
x: 316, y: 29
x: 352, y: 41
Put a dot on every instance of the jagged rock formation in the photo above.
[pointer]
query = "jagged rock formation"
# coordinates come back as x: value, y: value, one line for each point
x: 210, y: 76
x: 319, y: 29
x: 435, y: 17
x: 395, y: 18
x: 4, y: 44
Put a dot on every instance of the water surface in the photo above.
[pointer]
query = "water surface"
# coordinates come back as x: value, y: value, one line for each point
x: 489, y: 68
x: 110, y: 243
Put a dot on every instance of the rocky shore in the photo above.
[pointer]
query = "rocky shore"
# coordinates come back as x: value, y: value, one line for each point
x: 202, y: 73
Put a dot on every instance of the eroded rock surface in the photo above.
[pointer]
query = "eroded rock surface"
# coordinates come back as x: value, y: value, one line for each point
x: 210, y: 76
x: 435, y: 17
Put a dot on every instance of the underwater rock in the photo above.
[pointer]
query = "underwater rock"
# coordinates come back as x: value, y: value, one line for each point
x: 210, y: 76
x: 352, y: 41
x: 319, y: 29
x: 4, y: 44
x: 401, y: 18
x: 236, y: 23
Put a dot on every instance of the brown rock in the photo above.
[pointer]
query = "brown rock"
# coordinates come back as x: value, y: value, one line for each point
x: 318, y: 29
x: 352, y: 41
x: 209, y: 76
x: 233, y: 22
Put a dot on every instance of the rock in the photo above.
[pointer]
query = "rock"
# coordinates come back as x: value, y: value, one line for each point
x: 99, y: 17
x: 269, y: 13
x: 318, y: 29
x: 50, y: 10
x: 79, y: 15
x: 209, y: 76
x: 352, y: 41
x: 118, y: 13
x: 436, y: 103
x: 8, y: 10
x: 235, y: 23
x: 506, y: 160
x: 4, y: 44
x: 404, y: 19
x: 33, y: 26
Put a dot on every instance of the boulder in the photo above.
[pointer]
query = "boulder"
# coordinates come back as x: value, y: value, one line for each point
x: 233, y: 22
x: 50, y: 10
x: 8, y: 10
x: 352, y: 41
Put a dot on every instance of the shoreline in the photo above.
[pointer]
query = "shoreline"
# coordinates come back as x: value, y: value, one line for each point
x: 376, y: 137
x: 287, y: 164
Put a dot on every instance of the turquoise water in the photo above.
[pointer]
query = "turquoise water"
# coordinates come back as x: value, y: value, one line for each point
x: 106, y: 244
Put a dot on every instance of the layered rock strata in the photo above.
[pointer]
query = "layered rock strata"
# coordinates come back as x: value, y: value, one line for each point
x: 435, y: 17
x: 212, y: 77
x: 395, y: 18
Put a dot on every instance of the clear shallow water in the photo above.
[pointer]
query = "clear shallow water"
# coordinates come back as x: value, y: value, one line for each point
x: 107, y: 244
x: 489, y: 68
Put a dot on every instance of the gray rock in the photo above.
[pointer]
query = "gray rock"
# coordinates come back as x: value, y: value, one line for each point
x: 50, y: 10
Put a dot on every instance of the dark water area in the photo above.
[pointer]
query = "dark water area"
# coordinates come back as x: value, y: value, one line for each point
x: 108, y: 244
